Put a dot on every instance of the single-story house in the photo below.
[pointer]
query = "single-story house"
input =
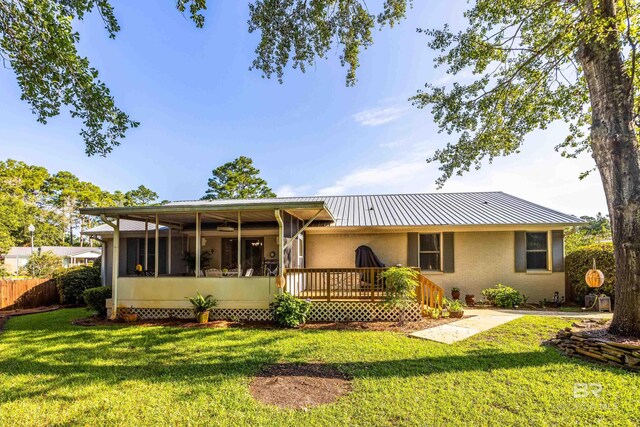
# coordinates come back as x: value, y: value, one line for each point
x: 71, y: 256
x: 245, y: 251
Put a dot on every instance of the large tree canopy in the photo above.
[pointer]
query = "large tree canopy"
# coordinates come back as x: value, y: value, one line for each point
x: 238, y: 179
x: 31, y: 195
x: 38, y: 42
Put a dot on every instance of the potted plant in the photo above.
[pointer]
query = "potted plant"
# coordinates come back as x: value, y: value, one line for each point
x: 455, y: 308
x: 202, y: 306
x: 128, y: 315
x: 455, y: 293
x: 470, y: 300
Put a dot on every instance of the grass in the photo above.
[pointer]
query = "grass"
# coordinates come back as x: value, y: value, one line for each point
x: 55, y: 373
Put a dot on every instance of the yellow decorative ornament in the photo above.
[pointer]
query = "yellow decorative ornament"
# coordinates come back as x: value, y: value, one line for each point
x: 594, y: 277
x: 280, y: 281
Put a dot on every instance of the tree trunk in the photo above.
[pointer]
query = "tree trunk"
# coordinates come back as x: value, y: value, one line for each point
x: 615, y: 149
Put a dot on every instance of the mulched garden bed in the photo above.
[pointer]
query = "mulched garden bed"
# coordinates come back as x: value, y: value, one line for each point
x: 408, y: 327
x: 299, y: 386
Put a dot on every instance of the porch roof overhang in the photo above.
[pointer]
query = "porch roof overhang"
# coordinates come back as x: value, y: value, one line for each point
x: 183, y: 215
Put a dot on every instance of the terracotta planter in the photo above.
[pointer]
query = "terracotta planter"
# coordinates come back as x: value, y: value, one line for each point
x: 470, y: 300
x: 130, y: 317
x: 455, y: 294
x: 203, y: 317
x: 456, y: 314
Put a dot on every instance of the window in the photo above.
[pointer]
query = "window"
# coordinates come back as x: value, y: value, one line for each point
x: 430, y: 251
x: 135, y: 255
x: 537, y: 249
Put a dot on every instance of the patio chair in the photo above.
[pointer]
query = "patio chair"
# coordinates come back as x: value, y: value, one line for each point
x: 213, y: 272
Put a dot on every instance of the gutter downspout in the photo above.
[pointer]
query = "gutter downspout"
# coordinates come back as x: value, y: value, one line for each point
x: 280, y: 280
x: 115, y: 264
x: 103, y: 257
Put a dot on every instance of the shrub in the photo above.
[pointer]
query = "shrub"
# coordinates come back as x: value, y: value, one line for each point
x: 502, y: 296
x: 42, y: 264
x: 96, y: 299
x: 4, y: 272
x: 72, y: 282
x: 401, y: 283
x: 289, y: 311
x: 580, y: 261
x: 453, y: 304
x: 202, y: 304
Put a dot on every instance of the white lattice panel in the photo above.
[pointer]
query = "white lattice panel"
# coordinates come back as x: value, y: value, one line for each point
x: 335, y: 311
x: 344, y: 311
x: 255, y: 314
x: 216, y: 314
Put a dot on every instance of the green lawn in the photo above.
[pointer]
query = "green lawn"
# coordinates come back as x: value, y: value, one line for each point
x: 54, y: 373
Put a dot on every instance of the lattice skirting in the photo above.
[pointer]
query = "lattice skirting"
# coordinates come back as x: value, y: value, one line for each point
x: 334, y: 311
x: 187, y: 313
x: 354, y: 311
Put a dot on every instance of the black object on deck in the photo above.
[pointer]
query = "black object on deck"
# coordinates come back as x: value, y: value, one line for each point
x: 365, y: 257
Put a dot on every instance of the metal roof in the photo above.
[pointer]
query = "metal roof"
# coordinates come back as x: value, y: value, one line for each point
x: 61, y: 251
x: 125, y: 225
x: 425, y: 209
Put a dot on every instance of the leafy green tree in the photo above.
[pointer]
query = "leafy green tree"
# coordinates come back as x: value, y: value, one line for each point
x: 598, y: 229
x: 42, y: 264
x: 401, y: 283
x: 534, y: 62
x: 238, y: 179
x: 141, y: 196
x: 38, y: 42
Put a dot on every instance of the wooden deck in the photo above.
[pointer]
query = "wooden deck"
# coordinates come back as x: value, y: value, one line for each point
x: 353, y: 284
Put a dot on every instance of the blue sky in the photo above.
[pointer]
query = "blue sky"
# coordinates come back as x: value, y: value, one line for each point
x: 199, y: 106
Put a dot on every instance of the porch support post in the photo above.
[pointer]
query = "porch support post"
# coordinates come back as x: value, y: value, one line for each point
x: 280, y: 280
x: 157, y: 248
x: 115, y: 268
x: 239, y: 244
x: 304, y: 227
x: 169, y: 252
x: 198, y: 243
x: 146, y: 245
x: 103, y: 264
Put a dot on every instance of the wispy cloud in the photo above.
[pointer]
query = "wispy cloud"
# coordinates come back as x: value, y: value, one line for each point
x: 380, y: 116
x: 550, y: 180
x: 292, y: 191
x: 393, y: 144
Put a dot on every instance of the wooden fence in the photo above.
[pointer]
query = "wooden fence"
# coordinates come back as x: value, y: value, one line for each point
x: 27, y: 293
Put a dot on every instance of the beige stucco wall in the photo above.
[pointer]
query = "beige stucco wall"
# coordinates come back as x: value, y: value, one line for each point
x: 338, y: 250
x: 171, y: 292
x: 482, y: 259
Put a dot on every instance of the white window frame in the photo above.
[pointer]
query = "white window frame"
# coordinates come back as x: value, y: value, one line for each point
x: 439, y: 252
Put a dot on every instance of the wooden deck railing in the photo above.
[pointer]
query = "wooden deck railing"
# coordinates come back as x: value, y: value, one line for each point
x: 353, y: 284
x: 336, y: 284
x: 429, y: 294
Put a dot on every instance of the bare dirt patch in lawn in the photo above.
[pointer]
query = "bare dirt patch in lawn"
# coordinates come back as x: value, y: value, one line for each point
x: 299, y: 386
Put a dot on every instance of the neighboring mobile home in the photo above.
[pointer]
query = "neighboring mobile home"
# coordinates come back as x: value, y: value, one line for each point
x: 70, y: 256
x: 243, y: 251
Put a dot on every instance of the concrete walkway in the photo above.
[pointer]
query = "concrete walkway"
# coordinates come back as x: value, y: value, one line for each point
x: 481, y: 320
